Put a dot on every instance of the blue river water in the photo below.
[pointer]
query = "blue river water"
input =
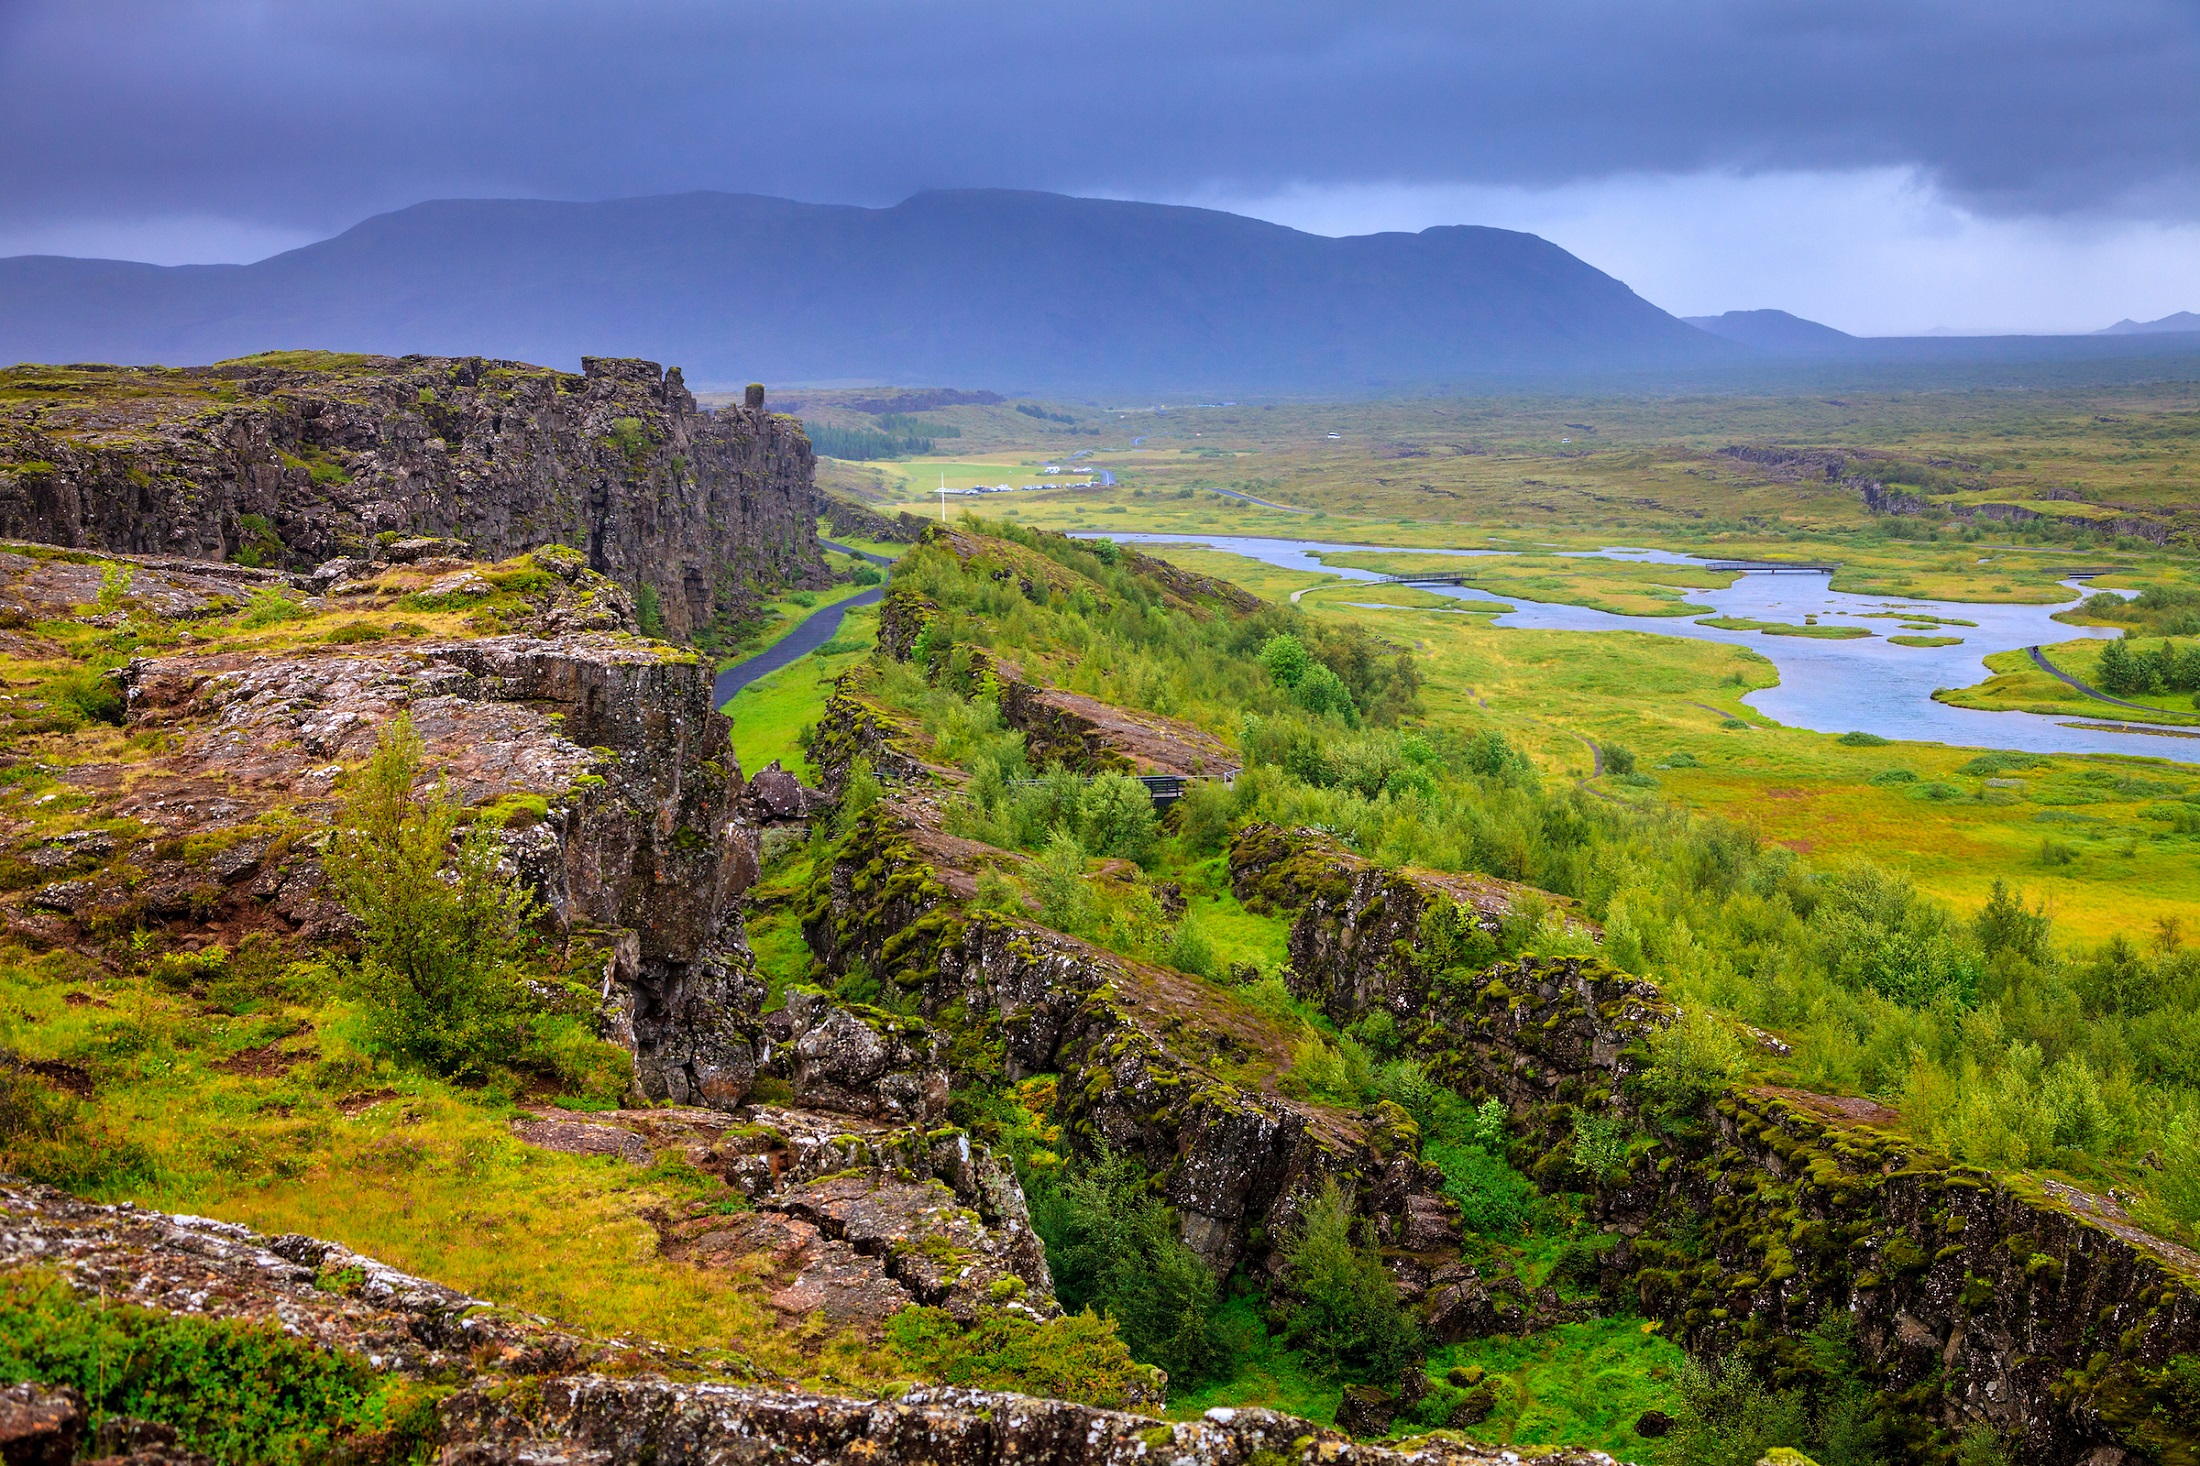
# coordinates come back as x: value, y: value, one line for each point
x: 1864, y: 683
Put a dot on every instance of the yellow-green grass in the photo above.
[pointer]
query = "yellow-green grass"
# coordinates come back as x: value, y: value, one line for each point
x: 890, y: 549
x: 1620, y: 587
x: 1558, y: 692
x: 774, y: 926
x: 307, y: 1134
x: 2018, y: 685
x: 1785, y: 628
x: 1869, y: 565
x: 770, y: 712
x: 1577, y: 1384
x: 1925, y: 641
x: 972, y: 471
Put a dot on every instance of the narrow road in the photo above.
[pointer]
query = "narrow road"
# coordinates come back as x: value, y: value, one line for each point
x: 815, y: 630
x: 1248, y: 498
x: 2040, y: 661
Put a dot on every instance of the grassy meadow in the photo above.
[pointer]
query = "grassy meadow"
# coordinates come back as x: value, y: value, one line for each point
x: 1531, y: 477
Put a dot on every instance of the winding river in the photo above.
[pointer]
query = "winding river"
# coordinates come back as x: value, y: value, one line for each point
x: 1864, y: 683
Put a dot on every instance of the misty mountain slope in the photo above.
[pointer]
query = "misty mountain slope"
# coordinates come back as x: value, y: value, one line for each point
x: 986, y: 287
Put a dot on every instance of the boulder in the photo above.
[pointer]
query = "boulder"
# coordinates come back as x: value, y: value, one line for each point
x: 40, y: 1426
x: 860, y: 1060
x: 1366, y: 1411
x: 779, y: 795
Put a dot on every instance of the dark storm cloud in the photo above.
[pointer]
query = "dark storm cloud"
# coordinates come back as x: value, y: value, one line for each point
x: 313, y: 114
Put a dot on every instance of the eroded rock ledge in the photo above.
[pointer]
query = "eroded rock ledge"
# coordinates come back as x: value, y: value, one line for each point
x: 598, y: 1420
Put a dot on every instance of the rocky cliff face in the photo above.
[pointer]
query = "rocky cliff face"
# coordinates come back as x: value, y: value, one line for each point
x: 599, y: 751
x: 1976, y: 1297
x: 295, y: 458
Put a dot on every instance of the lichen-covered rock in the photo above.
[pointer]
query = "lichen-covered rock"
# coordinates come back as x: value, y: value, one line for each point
x: 858, y: 1060
x: 1357, y: 943
x: 618, y: 1422
x: 38, y: 1426
x: 776, y: 794
x: 295, y: 462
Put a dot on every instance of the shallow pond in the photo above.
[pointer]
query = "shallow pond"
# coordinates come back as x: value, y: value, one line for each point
x: 1865, y: 683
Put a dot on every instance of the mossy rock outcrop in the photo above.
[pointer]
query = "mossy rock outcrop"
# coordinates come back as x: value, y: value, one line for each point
x: 1021, y: 1000
x: 2016, y: 1302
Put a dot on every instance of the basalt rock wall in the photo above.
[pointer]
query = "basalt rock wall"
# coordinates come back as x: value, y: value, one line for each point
x: 299, y: 458
x: 1975, y: 1297
x: 1127, y: 1039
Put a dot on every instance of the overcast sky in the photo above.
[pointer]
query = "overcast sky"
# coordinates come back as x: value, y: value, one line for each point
x: 1882, y: 165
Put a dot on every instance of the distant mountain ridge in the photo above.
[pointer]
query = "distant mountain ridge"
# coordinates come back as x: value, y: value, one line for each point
x: 991, y: 288
x: 1778, y: 332
x: 2181, y: 321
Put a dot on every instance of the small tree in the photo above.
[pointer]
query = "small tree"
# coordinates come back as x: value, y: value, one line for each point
x: 2119, y: 669
x: 1286, y: 658
x: 441, y: 924
x: 1319, y: 690
x: 1119, y: 818
x: 1349, y: 1323
x: 1691, y: 1059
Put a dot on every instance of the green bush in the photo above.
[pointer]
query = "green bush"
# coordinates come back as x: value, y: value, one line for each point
x: 1322, y: 692
x: 270, y: 608
x: 238, y: 1392
x: 1076, y: 1357
x: 1861, y: 739
x: 1618, y: 758
x: 1117, y: 818
x: 1692, y: 1059
x: 443, y: 930
x: 1057, y: 878
x: 1599, y: 1145
x: 1347, y: 1322
x: 1286, y: 659
x: 1727, y: 1418
x: 1191, y: 951
x: 1112, y: 1245
x: 87, y: 695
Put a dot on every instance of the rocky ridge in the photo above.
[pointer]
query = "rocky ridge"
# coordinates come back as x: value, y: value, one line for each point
x: 292, y: 459
x: 526, y: 1390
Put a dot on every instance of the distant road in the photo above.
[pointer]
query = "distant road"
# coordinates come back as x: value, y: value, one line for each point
x: 1248, y: 498
x: 815, y: 630
x: 2060, y: 675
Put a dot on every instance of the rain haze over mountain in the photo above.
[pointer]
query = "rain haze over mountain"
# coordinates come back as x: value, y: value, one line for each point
x: 1882, y: 170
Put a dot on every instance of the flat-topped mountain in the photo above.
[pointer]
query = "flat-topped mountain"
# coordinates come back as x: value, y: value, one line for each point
x: 998, y: 288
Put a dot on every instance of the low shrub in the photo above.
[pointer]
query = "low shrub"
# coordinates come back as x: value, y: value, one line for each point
x: 235, y: 1391
x: 1076, y: 1357
x: 270, y: 608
